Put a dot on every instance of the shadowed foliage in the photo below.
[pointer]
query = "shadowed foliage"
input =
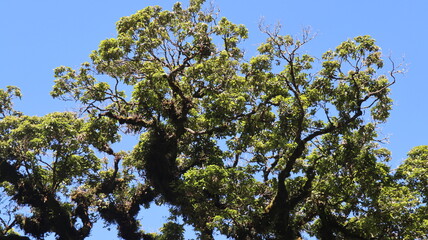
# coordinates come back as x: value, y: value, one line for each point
x: 275, y: 146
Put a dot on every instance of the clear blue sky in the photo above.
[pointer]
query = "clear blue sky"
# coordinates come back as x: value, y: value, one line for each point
x: 37, y: 36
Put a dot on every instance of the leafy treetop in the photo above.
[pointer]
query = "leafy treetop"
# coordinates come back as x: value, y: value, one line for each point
x: 265, y: 148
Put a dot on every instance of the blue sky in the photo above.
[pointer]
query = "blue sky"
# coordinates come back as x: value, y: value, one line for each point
x: 37, y: 36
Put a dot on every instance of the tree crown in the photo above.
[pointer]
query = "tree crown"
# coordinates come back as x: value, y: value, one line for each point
x: 259, y: 148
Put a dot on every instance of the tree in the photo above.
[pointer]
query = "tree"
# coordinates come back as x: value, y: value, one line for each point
x: 269, y: 148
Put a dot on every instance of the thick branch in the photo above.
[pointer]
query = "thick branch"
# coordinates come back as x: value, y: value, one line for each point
x: 135, y: 121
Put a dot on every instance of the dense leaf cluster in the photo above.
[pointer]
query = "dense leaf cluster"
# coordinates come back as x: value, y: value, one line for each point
x: 271, y: 147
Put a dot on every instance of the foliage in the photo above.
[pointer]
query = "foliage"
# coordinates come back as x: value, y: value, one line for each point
x: 272, y: 147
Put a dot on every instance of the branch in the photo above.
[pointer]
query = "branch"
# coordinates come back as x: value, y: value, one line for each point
x: 135, y: 121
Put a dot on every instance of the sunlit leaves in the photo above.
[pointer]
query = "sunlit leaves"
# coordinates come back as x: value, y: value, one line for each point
x: 54, y: 142
x: 414, y: 171
x: 6, y: 104
x: 261, y: 147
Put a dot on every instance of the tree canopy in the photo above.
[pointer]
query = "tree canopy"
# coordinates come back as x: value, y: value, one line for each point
x: 274, y: 146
